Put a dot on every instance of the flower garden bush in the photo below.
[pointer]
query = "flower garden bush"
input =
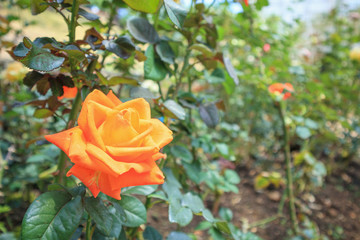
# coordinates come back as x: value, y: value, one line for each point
x: 149, y: 103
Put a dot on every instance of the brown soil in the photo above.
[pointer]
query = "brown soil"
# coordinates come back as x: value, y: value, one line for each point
x: 335, y: 209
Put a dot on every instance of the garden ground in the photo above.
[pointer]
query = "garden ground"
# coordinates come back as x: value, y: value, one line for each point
x: 335, y: 208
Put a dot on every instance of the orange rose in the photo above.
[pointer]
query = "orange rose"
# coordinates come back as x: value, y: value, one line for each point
x: 278, y: 88
x: 115, y: 145
x: 68, y: 92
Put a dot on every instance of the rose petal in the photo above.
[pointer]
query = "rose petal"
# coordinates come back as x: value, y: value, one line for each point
x: 132, y: 178
x: 140, y: 105
x: 113, y: 98
x: 161, y: 134
x: 289, y: 87
x: 108, y: 165
x: 276, y: 88
x: 96, y: 115
x: 137, y: 141
x: 105, y: 185
x: 86, y: 176
x: 132, y: 117
x: 62, y: 139
x: 77, y: 150
x: 94, y: 111
x: 132, y: 154
x: 116, y: 130
x: 157, y: 156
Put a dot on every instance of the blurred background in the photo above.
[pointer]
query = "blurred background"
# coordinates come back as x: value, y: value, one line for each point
x: 312, y: 44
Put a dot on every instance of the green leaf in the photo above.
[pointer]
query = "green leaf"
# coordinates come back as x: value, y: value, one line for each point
x: 178, y: 236
x: 72, y: 51
x: 260, y: 4
x: 203, y: 225
x: 53, y: 216
x: 40, y: 59
x: 137, y: 92
x: 99, y: 213
x: 319, y: 169
x: 209, y: 114
x: 20, y: 50
x: 65, y: 80
x: 170, y: 178
x: 171, y: 190
x: 175, y: 109
x: 217, y: 76
x: 56, y: 87
x: 303, y: 132
x: 182, y: 152
x: 142, y: 30
x: 43, y: 113
x: 261, y: 182
x: 151, y: 233
x: 231, y: 70
x: 31, y: 78
x: 223, y: 149
x: 141, y: 190
x: 208, y: 215
x: 202, y: 48
x: 41, y: 41
x: 118, y: 212
x: 87, y: 15
x: 176, y: 13
x: 38, y: 6
x: 216, y: 234
x: 122, y: 80
x: 165, y: 52
x: 226, y: 214
x: 193, y: 202
x: 179, y: 214
x: 229, y: 85
x: 159, y: 195
x: 134, y: 209
x: 148, y: 6
x: 154, y: 68
x: 311, y: 123
x: 223, y: 227
x: 122, y: 46
x: 231, y: 176
x: 193, y: 171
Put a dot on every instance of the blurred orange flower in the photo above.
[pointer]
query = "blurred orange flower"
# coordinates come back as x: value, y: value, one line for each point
x: 115, y: 144
x: 246, y: 2
x: 68, y: 92
x: 278, y: 88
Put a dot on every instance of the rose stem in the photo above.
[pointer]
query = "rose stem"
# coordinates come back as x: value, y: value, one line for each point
x: 289, y: 178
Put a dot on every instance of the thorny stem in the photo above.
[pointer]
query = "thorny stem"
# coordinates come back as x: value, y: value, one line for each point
x: 71, y: 122
x: 88, y: 228
x: 215, y: 208
x: 74, y: 13
x: 77, y: 101
x: 289, y: 178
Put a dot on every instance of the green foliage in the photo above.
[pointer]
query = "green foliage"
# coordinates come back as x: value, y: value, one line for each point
x: 205, y: 73
x: 54, y: 215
